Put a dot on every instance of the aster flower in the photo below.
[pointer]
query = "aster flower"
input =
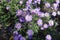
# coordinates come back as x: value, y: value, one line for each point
x: 25, y: 9
x: 21, y: 2
x: 32, y: 10
x: 47, y: 14
x: 19, y: 36
x: 15, y: 33
x: 47, y: 4
x: 28, y: 18
x: 41, y: 14
x: 30, y: 32
x: 42, y: 28
x: 38, y: 1
x: 18, y: 25
x: 55, y: 5
x: 22, y: 38
x: 57, y: 1
x: 19, y: 12
x: 36, y: 10
x: 16, y: 38
x: 51, y: 22
x: 39, y: 22
x: 58, y: 12
x: 22, y: 19
x: 28, y: 6
x: 48, y: 37
x: 35, y: 1
x: 7, y: 8
x: 54, y: 13
x: 45, y: 25
x: 29, y: 1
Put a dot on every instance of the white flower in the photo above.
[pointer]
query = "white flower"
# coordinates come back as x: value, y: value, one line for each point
x: 55, y: 5
x: 58, y: 12
x: 35, y: 1
x: 39, y: 22
x: 29, y: 2
x: 57, y: 1
x: 28, y: 17
x: 51, y: 22
x: 47, y: 14
x: 47, y: 4
x: 42, y: 28
x: 38, y: 1
x: 21, y: 2
x: 54, y: 13
x: 25, y: 9
x: 7, y: 7
x: 48, y: 37
x: 45, y: 26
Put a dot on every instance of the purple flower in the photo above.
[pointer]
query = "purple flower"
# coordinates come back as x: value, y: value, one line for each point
x: 15, y: 33
x: 29, y: 2
x: 18, y: 25
x: 19, y: 36
x: 19, y: 12
x: 8, y: 0
x: 48, y: 37
x: 35, y: 1
x: 28, y: 18
x: 16, y: 38
x: 30, y: 37
x: 39, y: 22
x: 22, y: 38
x: 30, y: 32
x: 41, y: 14
x: 45, y: 25
x: 22, y: 19
x: 36, y: 10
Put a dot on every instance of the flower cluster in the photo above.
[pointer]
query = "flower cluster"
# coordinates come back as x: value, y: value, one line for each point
x: 32, y: 16
x: 27, y: 16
